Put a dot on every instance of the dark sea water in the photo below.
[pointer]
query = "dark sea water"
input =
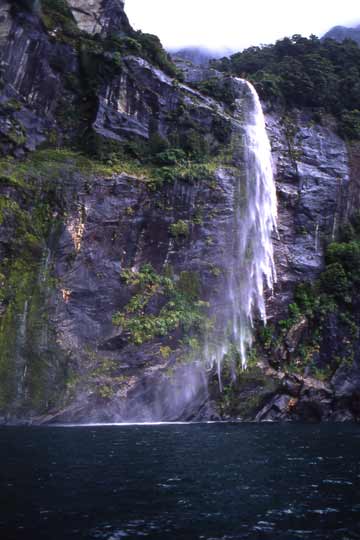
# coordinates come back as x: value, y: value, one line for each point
x: 207, y: 481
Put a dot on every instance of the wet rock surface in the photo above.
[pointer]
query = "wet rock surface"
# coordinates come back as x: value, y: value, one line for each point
x: 100, y: 16
x: 313, y: 179
x: 103, y: 224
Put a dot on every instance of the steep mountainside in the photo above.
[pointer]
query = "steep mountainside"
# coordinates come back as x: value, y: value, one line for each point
x: 120, y: 172
x: 340, y: 33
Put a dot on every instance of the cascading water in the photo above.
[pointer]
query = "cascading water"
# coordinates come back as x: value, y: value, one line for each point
x: 250, y: 258
x: 256, y: 219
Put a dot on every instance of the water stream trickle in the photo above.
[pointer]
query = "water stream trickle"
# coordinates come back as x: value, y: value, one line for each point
x: 317, y: 237
x: 20, y: 357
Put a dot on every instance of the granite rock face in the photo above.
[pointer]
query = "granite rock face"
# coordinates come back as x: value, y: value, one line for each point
x: 67, y: 360
x: 100, y: 16
x: 313, y: 181
x: 32, y: 87
x: 143, y: 98
x: 121, y: 225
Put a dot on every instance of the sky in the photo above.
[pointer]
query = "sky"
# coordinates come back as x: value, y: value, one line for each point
x: 236, y: 24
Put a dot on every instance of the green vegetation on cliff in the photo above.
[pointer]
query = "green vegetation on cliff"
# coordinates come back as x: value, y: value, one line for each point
x: 322, y: 329
x: 32, y: 210
x: 160, y: 304
x: 58, y: 20
x: 305, y: 72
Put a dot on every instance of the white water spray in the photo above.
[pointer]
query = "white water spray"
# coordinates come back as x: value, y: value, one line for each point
x: 256, y: 218
x: 250, y: 260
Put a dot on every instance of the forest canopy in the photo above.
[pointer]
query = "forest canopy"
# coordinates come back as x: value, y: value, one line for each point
x: 305, y: 72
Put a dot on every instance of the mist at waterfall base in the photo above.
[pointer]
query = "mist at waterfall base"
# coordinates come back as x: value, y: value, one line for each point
x: 200, y: 481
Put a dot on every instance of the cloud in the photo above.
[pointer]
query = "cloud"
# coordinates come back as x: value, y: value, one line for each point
x: 236, y: 24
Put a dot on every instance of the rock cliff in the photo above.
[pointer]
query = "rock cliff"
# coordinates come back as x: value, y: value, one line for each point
x: 116, y: 191
x: 100, y: 16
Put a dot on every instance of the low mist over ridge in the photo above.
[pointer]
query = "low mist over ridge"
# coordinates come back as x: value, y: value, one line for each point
x: 339, y: 33
x: 228, y: 24
x: 200, y: 56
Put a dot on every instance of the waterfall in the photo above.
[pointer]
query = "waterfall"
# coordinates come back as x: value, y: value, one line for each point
x: 317, y: 236
x: 256, y: 220
x: 44, y: 270
x: 249, y: 259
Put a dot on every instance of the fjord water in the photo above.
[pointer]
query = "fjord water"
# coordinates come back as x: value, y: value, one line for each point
x: 194, y: 481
